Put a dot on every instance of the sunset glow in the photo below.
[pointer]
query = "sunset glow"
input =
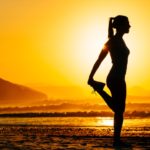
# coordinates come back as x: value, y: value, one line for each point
x: 56, y: 42
x: 50, y: 95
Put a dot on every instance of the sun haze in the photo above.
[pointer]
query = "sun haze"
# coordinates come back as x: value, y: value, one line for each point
x: 56, y: 42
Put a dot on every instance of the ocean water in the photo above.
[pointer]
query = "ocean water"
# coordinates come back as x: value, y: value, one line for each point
x: 75, y: 126
x: 73, y: 121
x: 70, y: 133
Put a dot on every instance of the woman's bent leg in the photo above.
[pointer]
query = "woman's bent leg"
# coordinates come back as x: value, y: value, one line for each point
x: 107, y: 98
x: 98, y: 87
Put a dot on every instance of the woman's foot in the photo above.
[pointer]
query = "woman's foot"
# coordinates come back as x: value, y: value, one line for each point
x: 97, y: 86
x: 120, y: 143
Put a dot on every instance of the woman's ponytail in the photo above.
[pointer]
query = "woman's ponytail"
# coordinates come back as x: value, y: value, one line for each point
x: 110, y: 28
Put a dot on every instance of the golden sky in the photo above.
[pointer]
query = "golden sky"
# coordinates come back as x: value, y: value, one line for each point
x: 56, y: 42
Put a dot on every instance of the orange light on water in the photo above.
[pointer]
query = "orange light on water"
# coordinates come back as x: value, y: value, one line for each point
x: 105, y: 122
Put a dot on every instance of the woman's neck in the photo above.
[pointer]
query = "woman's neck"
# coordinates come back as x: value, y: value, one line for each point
x: 119, y: 35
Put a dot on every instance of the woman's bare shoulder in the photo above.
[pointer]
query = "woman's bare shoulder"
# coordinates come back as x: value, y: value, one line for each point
x: 108, y: 43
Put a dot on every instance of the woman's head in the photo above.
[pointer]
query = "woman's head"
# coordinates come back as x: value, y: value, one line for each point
x: 120, y: 23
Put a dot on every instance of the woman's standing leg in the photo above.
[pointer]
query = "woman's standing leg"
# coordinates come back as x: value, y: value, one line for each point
x: 118, y: 97
x: 116, y: 102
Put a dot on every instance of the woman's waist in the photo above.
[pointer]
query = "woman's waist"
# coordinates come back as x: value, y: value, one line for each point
x: 117, y: 74
x: 118, y: 69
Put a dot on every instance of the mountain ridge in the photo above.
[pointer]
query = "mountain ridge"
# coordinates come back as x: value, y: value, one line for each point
x: 13, y: 93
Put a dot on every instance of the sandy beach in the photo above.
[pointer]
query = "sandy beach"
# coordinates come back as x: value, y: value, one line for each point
x: 19, y: 137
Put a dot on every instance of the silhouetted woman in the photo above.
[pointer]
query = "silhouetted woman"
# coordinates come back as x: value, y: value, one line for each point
x: 116, y: 77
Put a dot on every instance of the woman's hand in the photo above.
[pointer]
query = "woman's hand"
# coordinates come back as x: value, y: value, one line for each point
x: 90, y: 81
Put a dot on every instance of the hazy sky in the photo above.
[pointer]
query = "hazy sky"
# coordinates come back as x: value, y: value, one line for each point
x: 56, y: 42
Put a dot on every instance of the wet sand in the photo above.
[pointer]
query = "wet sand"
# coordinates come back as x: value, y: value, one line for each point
x: 70, y: 138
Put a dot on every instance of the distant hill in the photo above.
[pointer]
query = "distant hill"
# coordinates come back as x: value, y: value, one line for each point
x: 15, y: 94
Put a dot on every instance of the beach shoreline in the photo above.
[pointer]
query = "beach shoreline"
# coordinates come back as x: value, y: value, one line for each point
x: 41, y: 137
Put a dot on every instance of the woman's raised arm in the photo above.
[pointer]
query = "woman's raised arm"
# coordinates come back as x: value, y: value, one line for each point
x: 101, y: 57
